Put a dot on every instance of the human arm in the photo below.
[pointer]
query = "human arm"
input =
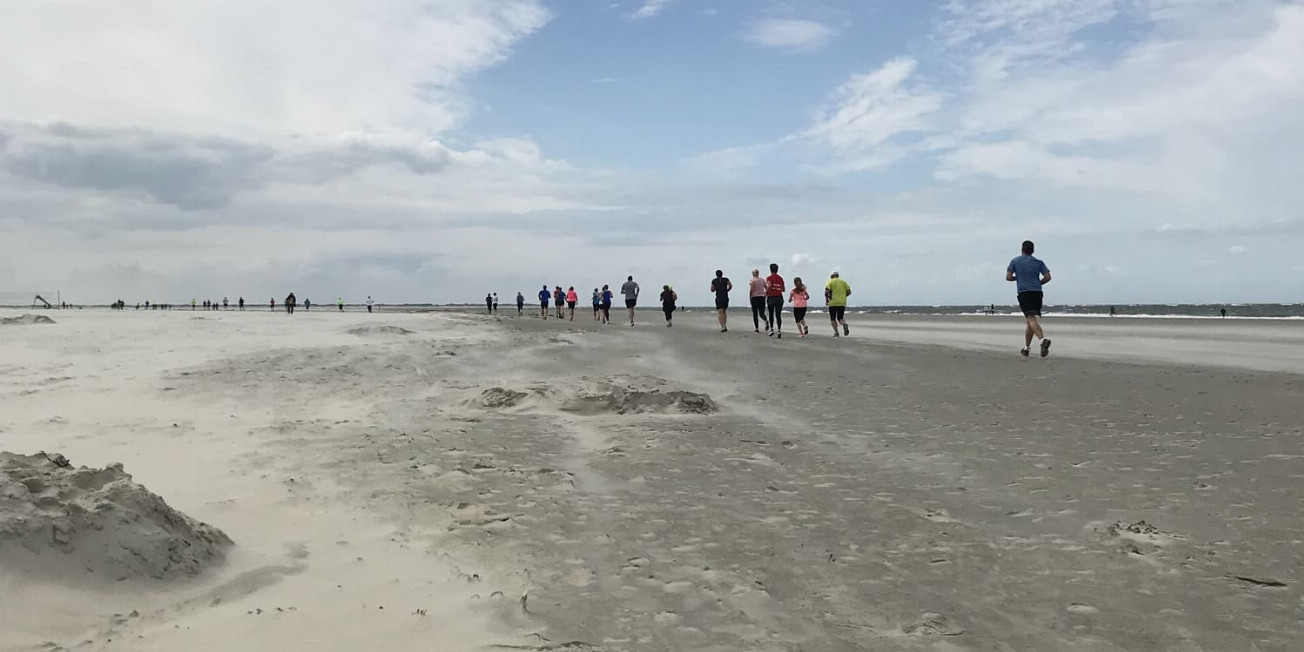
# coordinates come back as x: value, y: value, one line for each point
x: 1045, y: 274
x: 1009, y: 272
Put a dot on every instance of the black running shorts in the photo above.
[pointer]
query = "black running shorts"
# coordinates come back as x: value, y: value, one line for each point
x: 630, y: 303
x: 798, y: 314
x: 722, y: 303
x: 837, y: 313
x: 1030, y: 303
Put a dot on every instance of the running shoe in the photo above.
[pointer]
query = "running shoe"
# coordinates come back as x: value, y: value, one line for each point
x: 1024, y: 352
x: 779, y: 335
x: 846, y: 330
x: 1045, y: 348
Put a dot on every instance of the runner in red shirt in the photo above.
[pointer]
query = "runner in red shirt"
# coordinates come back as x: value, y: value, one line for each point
x: 774, y: 291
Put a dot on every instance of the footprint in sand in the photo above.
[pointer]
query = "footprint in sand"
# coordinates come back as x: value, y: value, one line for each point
x: 1079, y: 608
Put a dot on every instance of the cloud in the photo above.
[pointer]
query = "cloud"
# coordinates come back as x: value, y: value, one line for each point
x: 253, y: 69
x: 789, y: 34
x: 1236, y: 250
x: 650, y: 9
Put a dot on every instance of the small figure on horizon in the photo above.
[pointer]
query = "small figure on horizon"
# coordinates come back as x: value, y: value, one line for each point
x: 225, y: 303
x: 572, y: 298
x: 242, y: 303
x: 721, y: 286
x: 544, y: 297
x: 1029, y: 274
x: 559, y: 301
x: 520, y: 304
x: 370, y: 303
x: 495, y: 308
x: 607, y: 296
x: 340, y: 300
x: 289, y: 303
x: 271, y: 303
x: 307, y: 305
x: 489, y: 303
x: 756, y: 294
x: 1224, y: 313
x: 1112, y: 312
x: 597, y: 305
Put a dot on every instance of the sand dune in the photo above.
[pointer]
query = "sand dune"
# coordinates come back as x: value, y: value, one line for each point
x: 555, y: 485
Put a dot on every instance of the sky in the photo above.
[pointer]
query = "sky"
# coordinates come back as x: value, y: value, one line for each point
x: 438, y: 150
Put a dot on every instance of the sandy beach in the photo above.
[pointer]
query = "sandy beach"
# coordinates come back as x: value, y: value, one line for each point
x: 454, y: 481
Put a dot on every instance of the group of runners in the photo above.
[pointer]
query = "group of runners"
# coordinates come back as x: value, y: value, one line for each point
x: 770, y: 294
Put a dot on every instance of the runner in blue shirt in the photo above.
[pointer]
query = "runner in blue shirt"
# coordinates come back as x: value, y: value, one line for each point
x: 606, y: 304
x: 1029, y: 274
x: 544, y: 297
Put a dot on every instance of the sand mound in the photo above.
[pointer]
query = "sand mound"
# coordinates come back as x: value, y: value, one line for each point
x: 25, y: 320
x: 627, y: 400
x: 379, y: 330
x: 497, y: 397
x: 62, y: 521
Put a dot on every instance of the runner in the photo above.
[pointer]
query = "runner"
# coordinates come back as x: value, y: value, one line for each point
x: 495, y: 309
x: 774, y: 288
x: 597, y: 304
x: 340, y: 301
x: 572, y: 298
x: 242, y: 303
x: 289, y: 303
x: 836, y: 292
x: 369, y: 303
x: 224, y: 303
x: 630, y: 290
x: 799, y: 297
x: 756, y: 292
x: 489, y: 303
x: 559, y: 299
x: 544, y: 297
x: 668, y: 299
x: 606, y: 304
x: 307, y: 304
x: 721, y: 286
x: 1029, y: 274
x: 271, y: 303
x: 520, y: 304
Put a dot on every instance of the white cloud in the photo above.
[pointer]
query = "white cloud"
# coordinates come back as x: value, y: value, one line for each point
x: 246, y: 68
x: 650, y: 9
x: 1236, y: 250
x: 789, y: 34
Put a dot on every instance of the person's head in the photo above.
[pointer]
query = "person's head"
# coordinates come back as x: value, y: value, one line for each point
x: 545, y: 287
x: 834, y: 275
x: 719, y: 273
x: 629, y: 278
x: 666, y: 288
x: 774, y: 268
x: 606, y: 287
x: 796, y: 283
x: 571, y: 289
x: 756, y: 272
x: 1028, y: 247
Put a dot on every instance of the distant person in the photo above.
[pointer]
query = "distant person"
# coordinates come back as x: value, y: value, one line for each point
x: 559, y: 301
x: 572, y: 298
x: 225, y: 304
x: 489, y: 303
x: 991, y: 310
x: 630, y: 291
x: 756, y: 293
x: 799, y: 298
x: 520, y: 304
x: 668, y: 299
x: 1224, y: 313
x: 1029, y: 274
x: 289, y: 303
x: 775, y: 288
x: 721, y: 286
x: 370, y: 303
x: 241, y: 303
x: 607, y: 296
x: 340, y: 302
x: 544, y: 297
x: 495, y: 302
x: 307, y: 305
x: 836, y: 292
x: 597, y: 304
x: 271, y: 303
x: 1112, y: 312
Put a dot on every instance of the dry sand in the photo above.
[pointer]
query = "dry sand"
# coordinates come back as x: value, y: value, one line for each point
x: 546, y: 485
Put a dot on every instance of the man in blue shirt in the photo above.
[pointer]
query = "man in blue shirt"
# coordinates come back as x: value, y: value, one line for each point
x: 1029, y: 274
x: 544, y: 296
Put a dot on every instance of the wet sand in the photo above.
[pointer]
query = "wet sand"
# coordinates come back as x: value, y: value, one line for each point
x: 918, y: 486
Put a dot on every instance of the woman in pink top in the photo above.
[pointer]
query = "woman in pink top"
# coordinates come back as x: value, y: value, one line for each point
x: 572, y: 297
x: 757, y: 287
x: 799, y: 296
